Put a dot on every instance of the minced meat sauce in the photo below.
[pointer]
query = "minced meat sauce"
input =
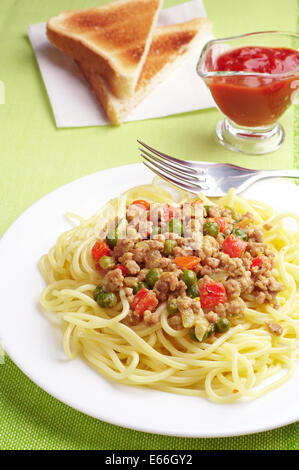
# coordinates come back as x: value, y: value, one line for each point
x: 204, y: 279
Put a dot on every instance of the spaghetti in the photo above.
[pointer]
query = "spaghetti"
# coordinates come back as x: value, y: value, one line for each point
x: 245, y: 361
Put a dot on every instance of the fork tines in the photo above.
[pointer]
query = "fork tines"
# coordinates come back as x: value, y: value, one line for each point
x: 181, y: 173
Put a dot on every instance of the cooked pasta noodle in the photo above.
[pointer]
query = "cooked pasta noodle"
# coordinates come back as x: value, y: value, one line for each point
x: 246, y: 361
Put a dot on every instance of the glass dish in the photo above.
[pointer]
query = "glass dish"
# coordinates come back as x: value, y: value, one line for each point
x: 251, y: 102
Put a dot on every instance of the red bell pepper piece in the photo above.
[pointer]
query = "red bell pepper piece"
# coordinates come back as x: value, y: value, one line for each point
x: 258, y: 261
x: 170, y: 212
x: 99, y: 249
x: 212, y: 294
x: 220, y: 221
x: 123, y: 269
x: 234, y: 246
x: 144, y: 300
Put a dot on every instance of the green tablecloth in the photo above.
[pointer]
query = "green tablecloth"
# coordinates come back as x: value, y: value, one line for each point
x: 37, y: 158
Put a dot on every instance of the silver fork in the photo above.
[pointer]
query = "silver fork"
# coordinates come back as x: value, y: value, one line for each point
x: 213, y: 179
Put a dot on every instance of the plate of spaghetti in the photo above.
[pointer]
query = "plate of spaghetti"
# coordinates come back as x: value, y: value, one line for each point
x: 156, y: 310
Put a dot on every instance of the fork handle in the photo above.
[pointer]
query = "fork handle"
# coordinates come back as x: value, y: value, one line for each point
x: 279, y: 174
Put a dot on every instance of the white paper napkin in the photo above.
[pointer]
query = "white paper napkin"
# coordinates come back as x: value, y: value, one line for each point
x: 74, y: 104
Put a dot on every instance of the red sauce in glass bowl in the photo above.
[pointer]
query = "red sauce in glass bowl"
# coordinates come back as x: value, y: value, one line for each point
x: 255, y: 100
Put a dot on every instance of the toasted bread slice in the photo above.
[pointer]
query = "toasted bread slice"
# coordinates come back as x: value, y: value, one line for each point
x: 113, y: 39
x: 170, y: 46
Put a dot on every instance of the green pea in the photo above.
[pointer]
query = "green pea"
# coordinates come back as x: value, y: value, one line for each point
x: 235, y: 214
x: 222, y: 325
x: 107, y: 300
x: 193, y: 291
x: 155, y: 231
x: 106, y: 262
x: 175, y: 226
x: 211, y: 228
x: 152, y: 276
x: 169, y: 245
x: 172, y: 306
x: 138, y: 286
x: 112, y: 238
x: 207, y: 208
x: 238, y: 232
x: 189, y: 277
x: 98, y: 290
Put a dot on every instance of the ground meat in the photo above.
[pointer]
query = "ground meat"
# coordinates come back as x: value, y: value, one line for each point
x: 257, y: 235
x: 209, y: 266
x: 142, y: 274
x: 215, y: 211
x: 220, y: 310
x: 175, y: 321
x: 155, y: 245
x: 246, y: 283
x: 274, y: 328
x: 220, y: 238
x: 240, y: 278
x: 167, y: 283
x: 212, y: 317
x: 209, y: 248
x: 150, y: 318
x: 204, y: 270
x: 130, y: 281
x: 129, y: 263
x: 268, y: 284
x: 123, y: 245
x: 255, y: 249
x: 132, y: 319
x: 275, y: 286
x: 189, y: 309
x: 113, y: 281
x: 182, y: 251
x: 212, y: 262
x: 129, y: 294
x: 235, y: 307
x: 135, y: 212
x: 152, y: 259
x: 233, y: 266
x: 233, y: 288
x: 166, y: 264
x: 260, y: 297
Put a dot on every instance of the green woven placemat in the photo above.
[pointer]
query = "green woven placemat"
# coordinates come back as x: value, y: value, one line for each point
x: 37, y: 158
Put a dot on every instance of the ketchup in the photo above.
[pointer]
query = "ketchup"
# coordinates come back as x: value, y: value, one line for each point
x: 253, y: 100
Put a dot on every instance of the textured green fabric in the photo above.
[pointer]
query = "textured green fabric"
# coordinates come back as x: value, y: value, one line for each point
x: 37, y: 158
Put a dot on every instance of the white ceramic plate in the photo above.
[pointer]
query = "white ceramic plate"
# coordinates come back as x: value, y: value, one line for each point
x: 35, y: 345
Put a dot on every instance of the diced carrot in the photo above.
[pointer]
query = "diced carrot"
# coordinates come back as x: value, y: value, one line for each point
x: 196, y: 202
x: 244, y: 223
x: 142, y: 203
x: 187, y: 262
